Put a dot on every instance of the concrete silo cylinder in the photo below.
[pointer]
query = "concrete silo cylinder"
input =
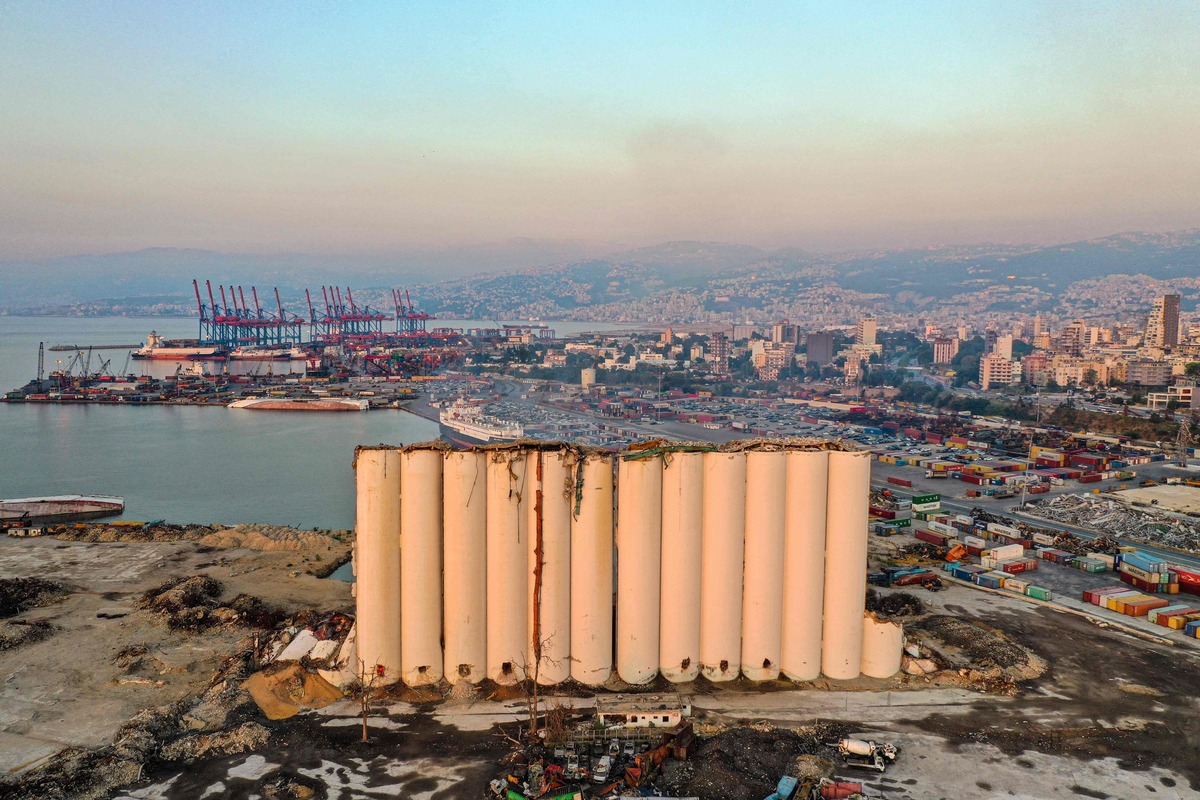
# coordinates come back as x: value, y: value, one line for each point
x: 845, y: 564
x: 682, y: 515
x: 421, y: 566
x: 721, y: 565
x: 464, y: 537
x: 762, y: 592
x: 639, y: 550
x: 592, y: 572
x: 882, y: 648
x: 377, y: 529
x: 804, y: 563
x: 550, y: 592
x: 508, y: 566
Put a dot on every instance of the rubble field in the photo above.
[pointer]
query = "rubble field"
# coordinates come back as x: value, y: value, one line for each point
x: 132, y: 652
x: 1121, y: 519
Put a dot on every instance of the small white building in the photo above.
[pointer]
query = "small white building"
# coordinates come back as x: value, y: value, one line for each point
x: 642, y: 710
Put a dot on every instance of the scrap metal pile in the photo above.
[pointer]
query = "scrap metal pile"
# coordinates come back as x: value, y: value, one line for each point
x: 1120, y: 520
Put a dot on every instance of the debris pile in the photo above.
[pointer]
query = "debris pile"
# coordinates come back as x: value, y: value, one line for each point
x: 194, y: 604
x: 745, y: 763
x: 1120, y: 520
x: 894, y: 604
x: 249, y: 536
x: 984, y: 656
x: 14, y: 633
x: 18, y: 595
x: 268, y: 538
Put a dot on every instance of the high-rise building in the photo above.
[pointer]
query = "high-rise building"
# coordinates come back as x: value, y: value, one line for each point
x: 1003, y: 346
x: 1162, y: 329
x: 820, y: 347
x: 1071, y: 340
x: 996, y: 370
x: 718, y: 349
x: 989, y: 340
x: 944, y: 350
x: 783, y: 332
x: 865, y: 333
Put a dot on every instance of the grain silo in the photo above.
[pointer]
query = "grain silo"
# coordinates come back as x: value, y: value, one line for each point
x: 762, y: 590
x: 421, y: 566
x: 882, y: 647
x: 507, y: 565
x: 498, y: 563
x: 378, y: 566
x: 804, y: 563
x: 592, y: 571
x: 845, y: 564
x: 639, y: 553
x: 722, y: 542
x: 549, y: 545
x: 682, y: 518
x: 464, y: 481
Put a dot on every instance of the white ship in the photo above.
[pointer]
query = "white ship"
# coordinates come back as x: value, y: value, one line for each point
x: 302, y: 404
x: 158, y: 347
x: 267, y: 354
x: 468, y: 425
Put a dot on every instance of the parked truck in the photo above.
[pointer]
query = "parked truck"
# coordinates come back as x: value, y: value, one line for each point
x: 867, y: 754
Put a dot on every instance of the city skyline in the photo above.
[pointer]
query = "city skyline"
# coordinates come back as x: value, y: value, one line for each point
x: 376, y: 130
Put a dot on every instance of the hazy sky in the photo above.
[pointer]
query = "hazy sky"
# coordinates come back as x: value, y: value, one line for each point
x: 356, y: 127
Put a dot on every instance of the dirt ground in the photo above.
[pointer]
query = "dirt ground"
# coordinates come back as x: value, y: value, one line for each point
x: 1104, y: 715
x: 70, y: 689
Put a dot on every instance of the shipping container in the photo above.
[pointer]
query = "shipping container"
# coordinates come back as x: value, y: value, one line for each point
x: 1038, y: 593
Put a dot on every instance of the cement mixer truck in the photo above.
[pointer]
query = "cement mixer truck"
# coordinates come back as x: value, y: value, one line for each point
x: 866, y: 754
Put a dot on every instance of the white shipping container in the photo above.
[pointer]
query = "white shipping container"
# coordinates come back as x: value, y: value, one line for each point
x: 1005, y: 552
x: 996, y: 527
x: 974, y: 541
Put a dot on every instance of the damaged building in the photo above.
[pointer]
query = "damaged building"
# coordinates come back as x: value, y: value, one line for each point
x: 555, y: 563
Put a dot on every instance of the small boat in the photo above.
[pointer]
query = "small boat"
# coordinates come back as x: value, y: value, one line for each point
x: 60, y: 508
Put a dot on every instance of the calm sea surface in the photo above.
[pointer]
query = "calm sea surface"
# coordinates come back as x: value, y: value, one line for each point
x: 185, y: 463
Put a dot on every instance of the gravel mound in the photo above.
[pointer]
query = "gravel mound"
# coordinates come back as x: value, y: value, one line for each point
x: 18, y: 595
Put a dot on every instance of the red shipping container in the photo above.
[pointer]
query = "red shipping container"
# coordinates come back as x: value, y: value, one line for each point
x: 900, y: 482
x: 1142, y: 609
x: 933, y: 537
x: 1189, y: 582
x: 975, y: 551
x: 934, y: 438
x: 1093, y: 477
x: 1164, y: 619
x: 886, y: 513
x: 840, y: 791
x: 1013, y: 567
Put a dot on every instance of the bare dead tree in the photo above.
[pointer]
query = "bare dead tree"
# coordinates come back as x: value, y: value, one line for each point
x: 366, y: 693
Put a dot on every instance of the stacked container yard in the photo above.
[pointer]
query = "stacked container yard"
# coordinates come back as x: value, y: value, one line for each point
x: 1147, y: 574
x: 498, y: 563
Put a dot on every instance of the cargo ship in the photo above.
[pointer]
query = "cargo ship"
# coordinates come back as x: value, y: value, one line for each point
x: 60, y: 508
x: 468, y: 425
x: 267, y: 354
x: 176, y: 349
x: 301, y: 404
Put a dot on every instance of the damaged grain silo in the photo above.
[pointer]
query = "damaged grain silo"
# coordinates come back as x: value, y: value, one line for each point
x: 552, y: 562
